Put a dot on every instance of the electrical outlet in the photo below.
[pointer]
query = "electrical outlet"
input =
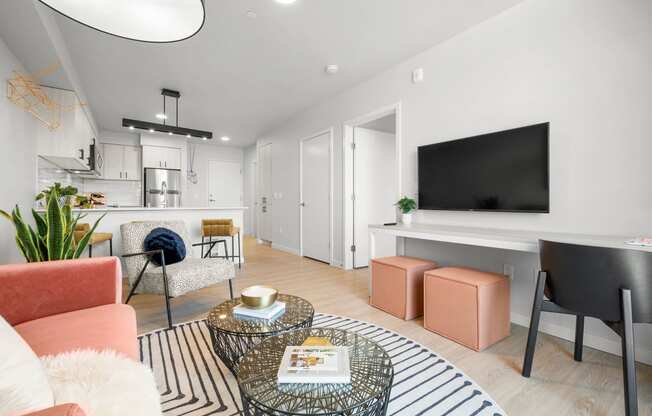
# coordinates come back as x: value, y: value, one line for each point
x: 508, y: 270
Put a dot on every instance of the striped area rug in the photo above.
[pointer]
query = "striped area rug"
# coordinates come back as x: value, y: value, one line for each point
x: 194, y: 382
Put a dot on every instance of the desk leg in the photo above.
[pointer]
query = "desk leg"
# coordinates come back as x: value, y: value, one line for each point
x: 400, y: 246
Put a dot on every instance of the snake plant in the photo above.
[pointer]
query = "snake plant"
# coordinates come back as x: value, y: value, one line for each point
x: 54, y: 236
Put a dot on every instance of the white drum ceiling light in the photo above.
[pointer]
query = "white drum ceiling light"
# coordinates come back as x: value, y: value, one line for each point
x: 142, y: 20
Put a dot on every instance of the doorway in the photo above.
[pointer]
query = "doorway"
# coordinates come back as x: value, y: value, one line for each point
x: 250, y: 198
x: 372, y: 182
x: 224, y: 183
x: 316, y: 188
x: 265, y: 200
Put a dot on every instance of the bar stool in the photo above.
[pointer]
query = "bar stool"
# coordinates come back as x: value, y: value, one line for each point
x: 223, y: 228
x: 96, y: 238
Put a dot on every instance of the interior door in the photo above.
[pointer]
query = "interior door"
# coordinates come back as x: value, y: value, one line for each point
x: 113, y: 161
x: 224, y: 184
x: 265, y: 206
x: 252, y: 203
x: 375, y: 189
x: 131, y: 163
x: 315, y: 204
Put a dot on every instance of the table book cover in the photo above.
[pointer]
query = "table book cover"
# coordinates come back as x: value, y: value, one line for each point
x: 315, y: 364
x: 277, y: 309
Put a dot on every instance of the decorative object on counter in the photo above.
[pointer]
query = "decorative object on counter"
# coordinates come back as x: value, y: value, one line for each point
x: 258, y: 297
x: 223, y: 228
x: 192, y: 175
x: 406, y: 205
x: 144, y: 21
x: 169, y: 280
x: 166, y: 244
x: 65, y: 193
x: 96, y: 238
x: 53, y: 238
x: 164, y: 127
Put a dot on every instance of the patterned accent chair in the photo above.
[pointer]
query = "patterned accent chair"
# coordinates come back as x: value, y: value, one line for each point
x: 170, y: 280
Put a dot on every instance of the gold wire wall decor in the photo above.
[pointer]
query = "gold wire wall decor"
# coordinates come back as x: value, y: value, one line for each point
x: 25, y: 92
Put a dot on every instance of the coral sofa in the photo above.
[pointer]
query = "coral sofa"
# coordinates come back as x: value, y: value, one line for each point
x: 68, y: 305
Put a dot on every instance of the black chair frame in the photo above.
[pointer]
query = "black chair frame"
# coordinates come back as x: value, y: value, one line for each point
x: 165, y: 276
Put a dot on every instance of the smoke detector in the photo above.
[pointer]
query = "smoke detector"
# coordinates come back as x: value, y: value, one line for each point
x: 332, y: 69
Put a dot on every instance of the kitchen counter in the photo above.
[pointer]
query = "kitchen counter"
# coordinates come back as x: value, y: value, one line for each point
x: 192, y: 216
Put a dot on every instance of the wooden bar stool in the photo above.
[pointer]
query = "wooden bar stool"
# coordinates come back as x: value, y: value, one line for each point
x: 223, y: 228
x: 96, y: 238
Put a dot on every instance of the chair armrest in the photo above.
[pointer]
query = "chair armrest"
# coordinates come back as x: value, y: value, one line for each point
x: 61, y: 410
x: 144, y: 253
x: 209, y: 243
x: 36, y: 290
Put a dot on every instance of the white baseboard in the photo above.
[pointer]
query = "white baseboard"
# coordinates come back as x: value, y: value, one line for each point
x: 290, y: 250
x: 337, y: 263
x: 643, y: 355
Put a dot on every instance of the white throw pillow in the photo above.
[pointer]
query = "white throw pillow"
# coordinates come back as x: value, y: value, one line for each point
x: 23, y: 384
x: 103, y: 383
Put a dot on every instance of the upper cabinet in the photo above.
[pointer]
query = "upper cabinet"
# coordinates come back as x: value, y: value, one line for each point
x: 72, y: 139
x: 161, y: 157
x: 121, y: 162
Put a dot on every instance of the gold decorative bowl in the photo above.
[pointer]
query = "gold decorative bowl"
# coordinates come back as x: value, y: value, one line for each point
x: 258, y: 297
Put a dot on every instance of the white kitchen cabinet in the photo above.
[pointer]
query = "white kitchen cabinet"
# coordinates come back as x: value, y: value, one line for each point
x: 161, y: 157
x: 121, y: 162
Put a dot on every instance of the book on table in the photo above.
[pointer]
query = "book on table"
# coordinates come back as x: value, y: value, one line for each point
x: 275, y: 310
x: 315, y: 364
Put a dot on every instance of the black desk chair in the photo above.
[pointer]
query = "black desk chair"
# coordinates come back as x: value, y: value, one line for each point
x: 611, y: 284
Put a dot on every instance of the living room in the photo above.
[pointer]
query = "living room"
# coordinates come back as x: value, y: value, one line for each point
x: 266, y: 118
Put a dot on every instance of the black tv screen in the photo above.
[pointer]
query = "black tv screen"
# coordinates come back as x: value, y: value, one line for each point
x: 505, y: 171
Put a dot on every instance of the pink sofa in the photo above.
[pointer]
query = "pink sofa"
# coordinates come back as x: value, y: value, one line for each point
x: 67, y: 305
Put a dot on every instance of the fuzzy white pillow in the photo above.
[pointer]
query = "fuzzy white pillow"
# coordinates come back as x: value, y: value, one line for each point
x: 103, y: 383
x: 23, y: 384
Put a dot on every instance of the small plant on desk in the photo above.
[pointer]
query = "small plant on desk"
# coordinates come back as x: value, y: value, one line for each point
x: 406, y: 205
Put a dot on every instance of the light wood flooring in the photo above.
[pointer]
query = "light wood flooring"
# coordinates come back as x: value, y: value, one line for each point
x: 558, y: 386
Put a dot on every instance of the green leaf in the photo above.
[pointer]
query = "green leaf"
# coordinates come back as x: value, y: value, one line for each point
x: 41, y: 225
x: 81, y: 245
x: 6, y: 215
x: 56, y: 227
x: 24, y: 233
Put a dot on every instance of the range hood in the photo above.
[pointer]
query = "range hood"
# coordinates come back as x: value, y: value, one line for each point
x: 74, y: 165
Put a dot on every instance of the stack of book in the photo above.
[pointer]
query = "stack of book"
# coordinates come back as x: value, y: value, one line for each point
x: 274, y: 311
x: 315, y: 362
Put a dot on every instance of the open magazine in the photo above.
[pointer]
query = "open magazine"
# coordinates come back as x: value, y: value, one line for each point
x: 315, y: 364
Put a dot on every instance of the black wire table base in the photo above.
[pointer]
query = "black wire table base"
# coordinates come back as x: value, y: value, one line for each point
x: 368, y: 393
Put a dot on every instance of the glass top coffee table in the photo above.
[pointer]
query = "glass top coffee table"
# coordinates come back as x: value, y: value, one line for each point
x: 232, y: 336
x: 368, y: 394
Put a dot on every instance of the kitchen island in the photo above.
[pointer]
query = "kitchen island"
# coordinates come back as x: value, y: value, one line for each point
x: 191, y: 216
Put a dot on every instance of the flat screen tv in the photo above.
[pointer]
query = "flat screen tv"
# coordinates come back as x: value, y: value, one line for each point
x: 505, y: 171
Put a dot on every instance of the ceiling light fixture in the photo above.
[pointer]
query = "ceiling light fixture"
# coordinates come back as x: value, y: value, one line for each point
x: 285, y: 1
x: 165, y: 128
x: 140, y: 20
x: 225, y: 138
x: 332, y: 69
x: 131, y: 127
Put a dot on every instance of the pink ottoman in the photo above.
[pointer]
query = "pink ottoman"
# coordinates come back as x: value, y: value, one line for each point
x: 397, y: 285
x: 467, y: 306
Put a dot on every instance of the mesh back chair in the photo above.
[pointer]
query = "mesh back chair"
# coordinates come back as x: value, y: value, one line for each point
x: 610, y: 284
x: 170, y: 280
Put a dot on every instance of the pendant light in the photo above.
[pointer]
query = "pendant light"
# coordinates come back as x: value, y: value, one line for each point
x: 157, y: 21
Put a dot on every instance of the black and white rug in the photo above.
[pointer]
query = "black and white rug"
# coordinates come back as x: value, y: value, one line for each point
x: 194, y: 382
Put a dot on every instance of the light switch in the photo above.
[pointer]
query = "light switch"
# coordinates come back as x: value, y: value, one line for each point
x: 417, y: 75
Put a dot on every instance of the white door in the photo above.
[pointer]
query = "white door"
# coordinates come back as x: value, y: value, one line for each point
x: 113, y: 161
x: 375, y: 189
x: 250, y: 188
x: 224, y: 184
x: 265, y: 195
x: 131, y: 163
x: 315, y: 203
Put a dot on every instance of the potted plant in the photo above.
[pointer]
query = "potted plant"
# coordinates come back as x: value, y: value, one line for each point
x: 65, y: 193
x: 406, y: 205
x: 54, y: 236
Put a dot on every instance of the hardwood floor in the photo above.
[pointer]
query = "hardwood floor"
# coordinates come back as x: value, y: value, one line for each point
x: 558, y: 386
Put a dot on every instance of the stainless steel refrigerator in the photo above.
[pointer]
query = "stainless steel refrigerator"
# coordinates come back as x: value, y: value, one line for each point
x: 162, y: 188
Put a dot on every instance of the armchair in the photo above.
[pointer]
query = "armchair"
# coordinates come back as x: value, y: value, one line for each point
x: 170, y: 280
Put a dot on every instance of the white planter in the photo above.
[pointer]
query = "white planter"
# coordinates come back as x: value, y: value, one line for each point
x: 406, y: 218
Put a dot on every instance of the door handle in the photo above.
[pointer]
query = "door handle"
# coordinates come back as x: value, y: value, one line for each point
x: 166, y: 163
x: 126, y: 175
x: 120, y: 175
x: 302, y: 204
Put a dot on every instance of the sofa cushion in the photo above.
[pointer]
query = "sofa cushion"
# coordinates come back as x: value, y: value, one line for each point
x: 23, y: 384
x: 104, y: 327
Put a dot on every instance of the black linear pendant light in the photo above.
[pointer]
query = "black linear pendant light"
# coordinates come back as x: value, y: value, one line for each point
x: 158, y: 21
x: 164, y: 127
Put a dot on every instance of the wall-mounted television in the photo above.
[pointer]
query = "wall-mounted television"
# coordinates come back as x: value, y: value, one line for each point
x: 506, y: 171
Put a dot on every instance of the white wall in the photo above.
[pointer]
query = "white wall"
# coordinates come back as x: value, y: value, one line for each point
x: 18, y: 167
x: 250, y: 156
x: 582, y: 65
x: 197, y: 194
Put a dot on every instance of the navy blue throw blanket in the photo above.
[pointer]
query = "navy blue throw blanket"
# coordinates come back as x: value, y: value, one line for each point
x: 167, y: 240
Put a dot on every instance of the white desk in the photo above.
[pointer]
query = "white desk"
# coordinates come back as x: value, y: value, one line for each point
x: 516, y: 240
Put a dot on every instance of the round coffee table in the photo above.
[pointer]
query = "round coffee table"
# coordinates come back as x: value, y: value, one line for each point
x: 232, y: 336
x: 368, y: 394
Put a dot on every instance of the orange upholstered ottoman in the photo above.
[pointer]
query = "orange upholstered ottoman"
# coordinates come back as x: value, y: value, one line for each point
x: 467, y: 306
x: 397, y: 285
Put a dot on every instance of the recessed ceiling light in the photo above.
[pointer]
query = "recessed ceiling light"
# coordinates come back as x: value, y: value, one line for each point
x: 332, y: 69
x: 162, y: 116
x: 225, y: 138
x: 252, y: 14
x: 142, y: 20
x: 285, y: 1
